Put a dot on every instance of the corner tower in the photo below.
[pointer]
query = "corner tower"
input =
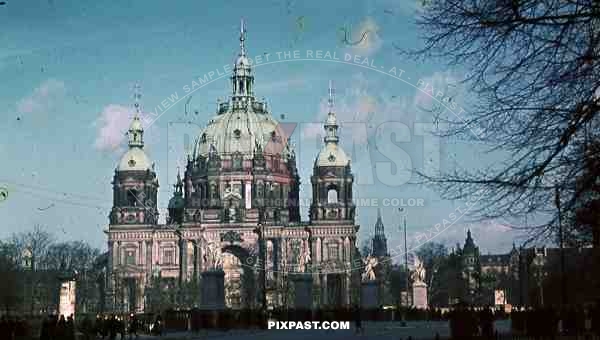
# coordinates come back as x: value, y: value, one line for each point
x: 135, y: 185
x: 332, y: 177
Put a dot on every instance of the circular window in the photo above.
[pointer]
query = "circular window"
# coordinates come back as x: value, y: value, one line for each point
x: 237, y: 133
x: 132, y: 162
x: 331, y: 157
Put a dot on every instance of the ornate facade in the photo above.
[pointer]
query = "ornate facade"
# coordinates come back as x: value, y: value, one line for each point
x: 240, y: 187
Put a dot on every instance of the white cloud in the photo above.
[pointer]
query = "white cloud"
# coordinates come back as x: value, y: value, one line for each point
x: 361, y: 102
x: 44, y: 99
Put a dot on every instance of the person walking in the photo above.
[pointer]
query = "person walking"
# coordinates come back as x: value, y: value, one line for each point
x: 133, y: 327
x: 357, y: 320
x: 112, y: 327
x: 61, y: 328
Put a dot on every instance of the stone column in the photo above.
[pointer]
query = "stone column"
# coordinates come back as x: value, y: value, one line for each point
x: 111, y: 254
x: 141, y: 253
x: 118, y: 254
x: 201, y: 265
x: 324, y: 290
x: 109, y: 298
x: 196, y: 269
x: 347, y: 287
x: 320, y: 249
x: 149, y: 263
x: 156, y: 252
x: 248, y: 195
x: 183, y: 260
x: 276, y: 258
x: 140, y: 294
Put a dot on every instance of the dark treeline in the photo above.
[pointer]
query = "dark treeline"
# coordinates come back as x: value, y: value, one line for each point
x: 32, y: 265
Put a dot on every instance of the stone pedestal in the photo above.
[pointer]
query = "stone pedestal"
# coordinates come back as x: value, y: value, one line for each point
x: 369, y: 295
x: 213, y: 290
x: 303, y: 291
x: 419, y: 295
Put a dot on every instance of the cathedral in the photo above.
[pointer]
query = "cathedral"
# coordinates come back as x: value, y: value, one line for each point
x: 235, y: 209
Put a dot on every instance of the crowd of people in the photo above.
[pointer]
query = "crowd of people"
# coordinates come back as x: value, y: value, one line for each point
x: 548, y: 321
x: 53, y: 327
x: 13, y: 328
x: 467, y: 322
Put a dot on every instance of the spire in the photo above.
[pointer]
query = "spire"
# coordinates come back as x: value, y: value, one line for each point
x: 137, y: 95
x: 136, y: 130
x: 331, y: 126
x: 242, y: 38
x: 331, y: 96
x: 379, y: 243
x: 469, y: 246
x: 379, y: 228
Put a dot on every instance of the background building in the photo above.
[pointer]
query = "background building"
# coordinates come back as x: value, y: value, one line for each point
x: 527, y: 276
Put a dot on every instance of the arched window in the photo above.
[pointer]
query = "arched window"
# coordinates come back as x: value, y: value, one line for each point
x: 132, y: 200
x: 332, y: 195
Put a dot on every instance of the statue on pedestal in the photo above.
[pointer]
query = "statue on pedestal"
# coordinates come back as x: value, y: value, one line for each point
x: 213, y: 257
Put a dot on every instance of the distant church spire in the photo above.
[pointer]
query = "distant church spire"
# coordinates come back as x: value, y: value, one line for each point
x: 379, y: 240
x: 379, y: 229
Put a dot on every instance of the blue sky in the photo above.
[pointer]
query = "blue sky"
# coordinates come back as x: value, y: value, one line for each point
x: 68, y: 69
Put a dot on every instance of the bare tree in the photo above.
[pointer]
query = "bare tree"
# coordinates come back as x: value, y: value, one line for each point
x: 534, y: 76
x: 35, y: 244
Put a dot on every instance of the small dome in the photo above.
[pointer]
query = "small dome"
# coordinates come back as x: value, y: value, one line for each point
x: 176, y: 202
x: 332, y: 155
x: 135, y: 159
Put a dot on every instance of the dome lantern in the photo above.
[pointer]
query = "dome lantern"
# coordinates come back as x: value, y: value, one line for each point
x: 135, y: 158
